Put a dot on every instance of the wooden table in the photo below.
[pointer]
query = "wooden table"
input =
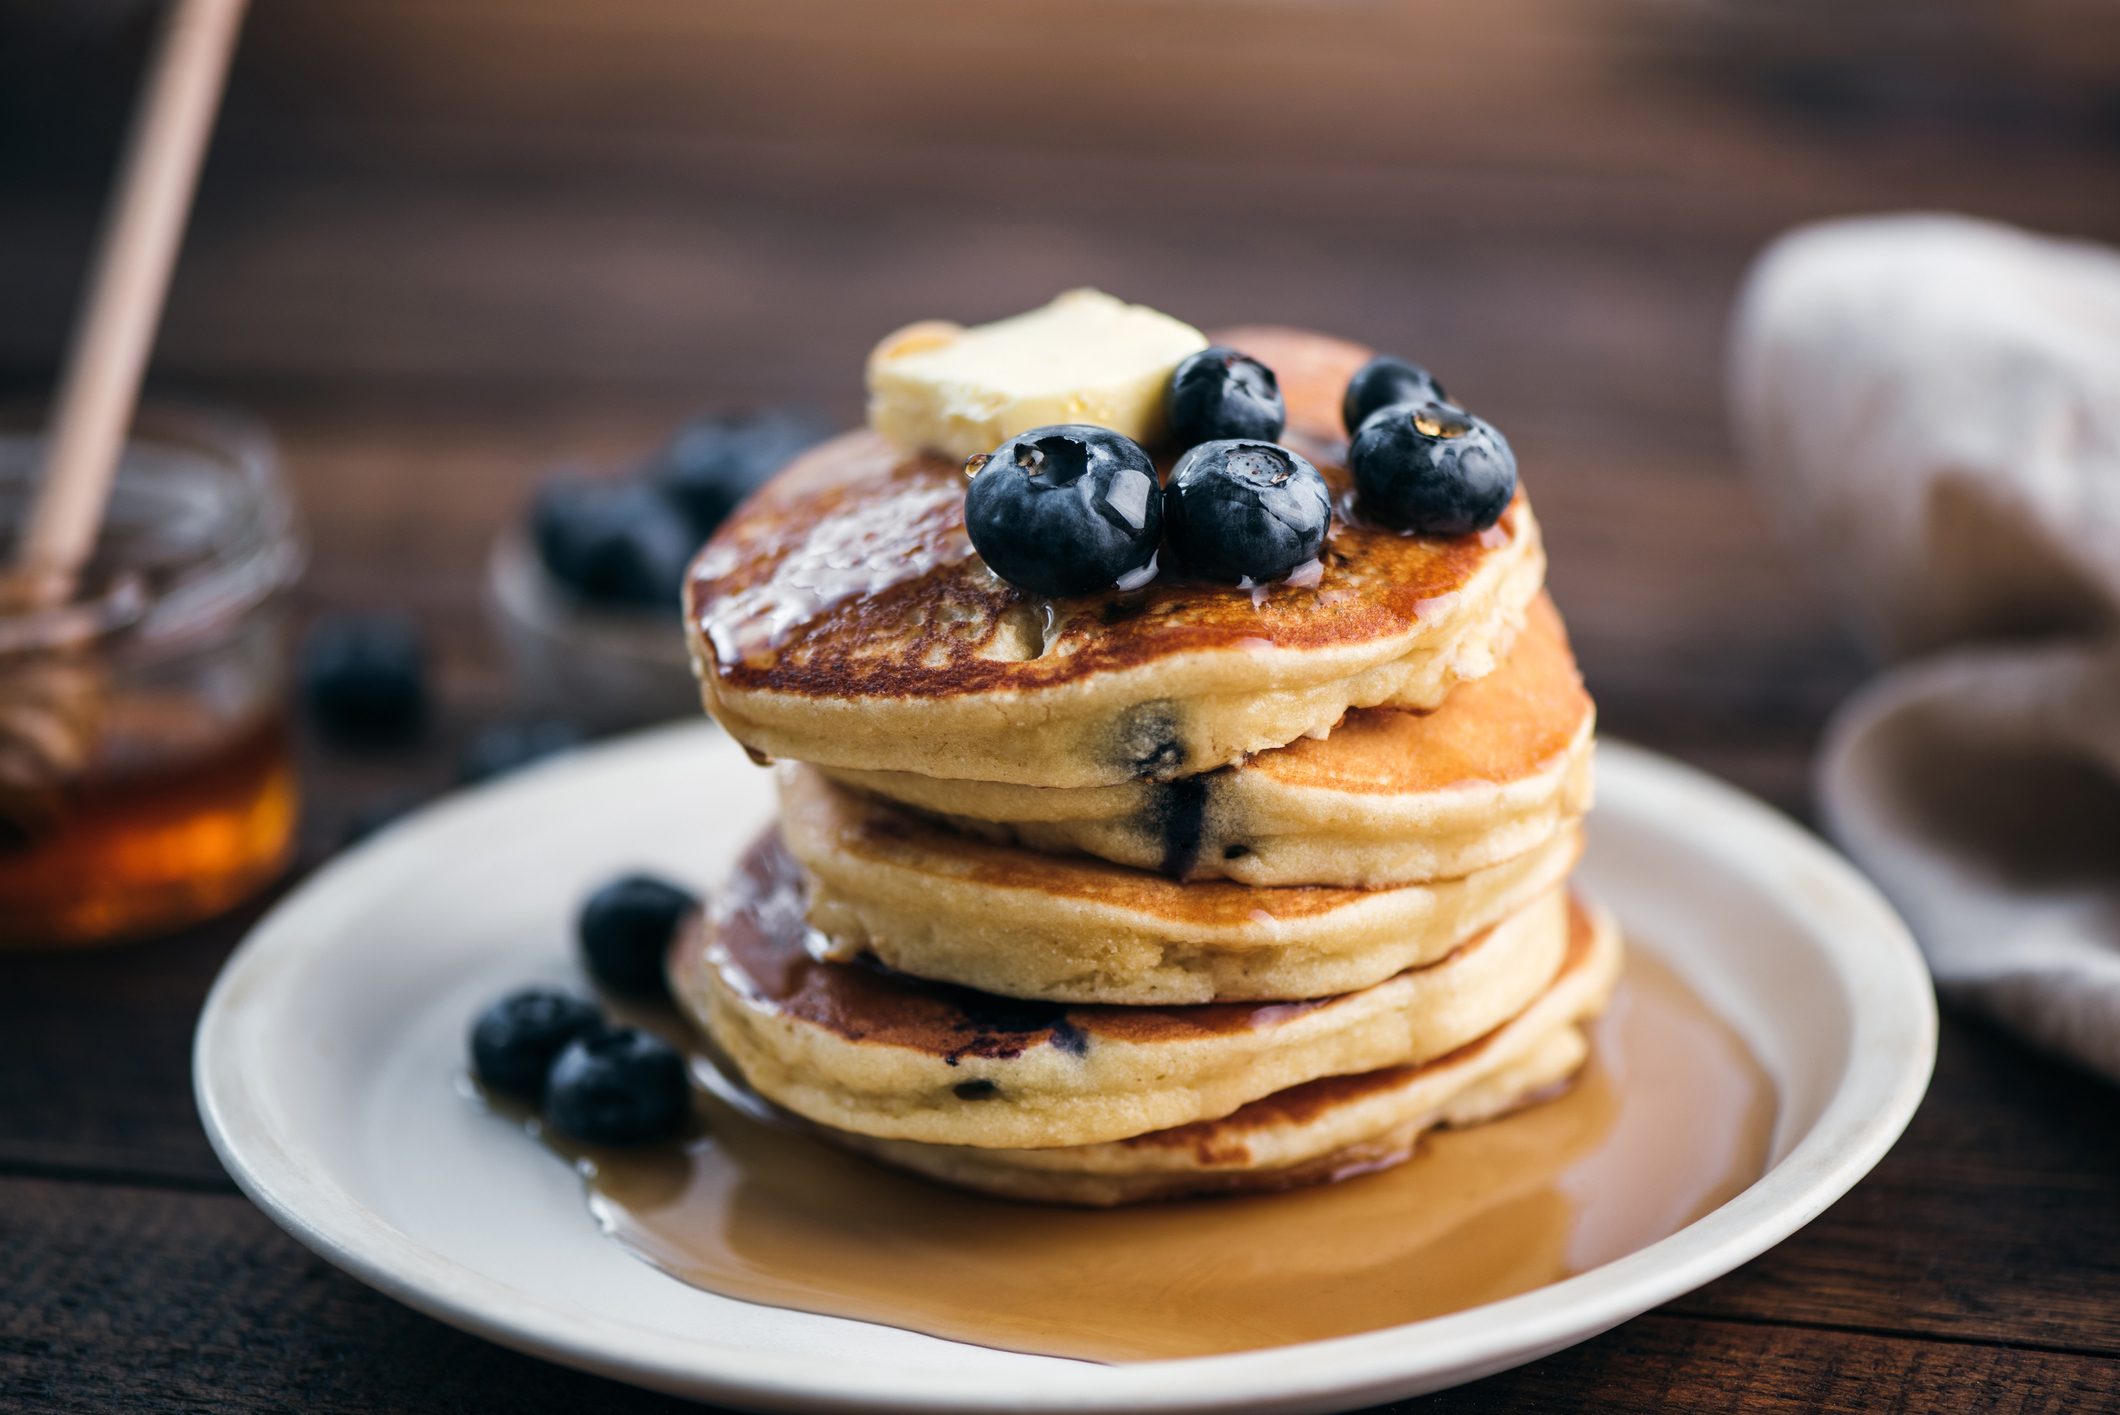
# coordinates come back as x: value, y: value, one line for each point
x: 443, y: 248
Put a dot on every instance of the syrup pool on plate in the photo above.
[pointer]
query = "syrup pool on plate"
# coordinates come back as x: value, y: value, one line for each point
x: 1671, y: 1117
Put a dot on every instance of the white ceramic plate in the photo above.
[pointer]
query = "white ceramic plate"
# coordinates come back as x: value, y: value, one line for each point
x: 325, y: 1056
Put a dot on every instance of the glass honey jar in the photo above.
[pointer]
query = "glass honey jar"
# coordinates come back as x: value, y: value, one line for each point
x: 146, y: 781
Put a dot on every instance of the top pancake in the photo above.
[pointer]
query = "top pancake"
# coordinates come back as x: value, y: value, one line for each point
x: 841, y: 617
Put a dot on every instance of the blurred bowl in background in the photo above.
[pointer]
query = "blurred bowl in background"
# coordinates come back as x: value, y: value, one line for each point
x: 606, y: 668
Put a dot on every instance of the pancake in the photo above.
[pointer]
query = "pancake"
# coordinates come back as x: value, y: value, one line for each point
x: 1390, y: 797
x: 1316, y: 1132
x: 841, y: 617
x: 1218, y: 1157
x: 1002, y: 919
x: 859, y: 1048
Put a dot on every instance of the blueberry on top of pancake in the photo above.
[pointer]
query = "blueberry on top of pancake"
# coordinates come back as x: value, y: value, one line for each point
x: 842, y: 617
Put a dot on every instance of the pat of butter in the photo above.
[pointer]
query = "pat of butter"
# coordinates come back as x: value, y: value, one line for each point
x: 1084, y: 358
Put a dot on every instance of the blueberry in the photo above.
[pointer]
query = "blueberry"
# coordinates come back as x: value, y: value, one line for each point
x: 1066, y: 510
x: 1243, y: 510
x: 1384, y: 381
x: 618, y: 1086
x: 625, y: 930
x: 514, y: 1041
x: 1220, y: 393
x: 364, y: 678
x: 712, y: 463
x: 1432, y: 468
x: 613, y: 542
x: 505, y: 746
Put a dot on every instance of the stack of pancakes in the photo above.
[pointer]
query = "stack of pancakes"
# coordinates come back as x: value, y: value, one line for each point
x: 1190, y: 889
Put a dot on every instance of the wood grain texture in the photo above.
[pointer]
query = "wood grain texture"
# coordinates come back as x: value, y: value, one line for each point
x: 152, y: 1300
x: 445, y: 248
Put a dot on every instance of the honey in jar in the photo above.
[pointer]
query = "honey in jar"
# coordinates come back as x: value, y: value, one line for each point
x: 145, y: 775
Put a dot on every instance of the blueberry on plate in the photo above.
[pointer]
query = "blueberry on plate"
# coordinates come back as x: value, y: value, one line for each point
x: 1219, y: 393
x: 1383, y: 381
x: 1242, y: 510
x: 364, y: 678
x: 515, y: 1040
x: 1066, y: 510
x: 618, y: 1086
x: 625, y: 930
x: 613, y: 542
x: 506, y: 746
x: 1432, y: 468
x: 712, y: 463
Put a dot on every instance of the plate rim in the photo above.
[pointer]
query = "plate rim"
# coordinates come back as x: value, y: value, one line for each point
x: 1891, y: 1056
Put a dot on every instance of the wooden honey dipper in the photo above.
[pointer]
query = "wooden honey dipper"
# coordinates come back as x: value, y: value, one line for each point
x: 52, y: 696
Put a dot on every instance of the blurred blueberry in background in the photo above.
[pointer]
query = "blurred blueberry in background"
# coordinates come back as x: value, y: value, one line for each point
x: 363, y: 678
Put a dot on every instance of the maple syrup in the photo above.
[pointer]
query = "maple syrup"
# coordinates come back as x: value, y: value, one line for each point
x: 1672, y: 1117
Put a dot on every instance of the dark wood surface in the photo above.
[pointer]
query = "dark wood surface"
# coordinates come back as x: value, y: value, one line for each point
x: 445, y: 248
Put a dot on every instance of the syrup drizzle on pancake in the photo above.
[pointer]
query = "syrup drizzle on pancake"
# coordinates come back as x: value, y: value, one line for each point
x: 851, y: 575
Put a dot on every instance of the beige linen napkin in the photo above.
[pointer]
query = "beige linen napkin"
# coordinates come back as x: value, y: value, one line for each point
x: 1933, y: 406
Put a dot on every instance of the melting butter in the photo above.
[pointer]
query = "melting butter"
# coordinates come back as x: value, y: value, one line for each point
x: 1084, y: 358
